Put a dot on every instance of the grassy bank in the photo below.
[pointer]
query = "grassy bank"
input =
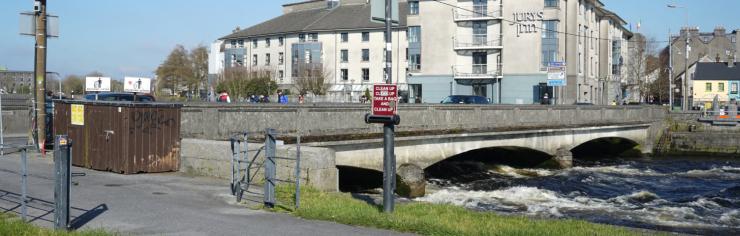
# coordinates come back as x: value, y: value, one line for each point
x: 431, y: 219
x: 11, y: 225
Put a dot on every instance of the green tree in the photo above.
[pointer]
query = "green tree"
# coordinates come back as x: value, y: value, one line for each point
x: 175, y: 71
x: 199, y: 59
x: 116, y: 85
x: 73, y: 84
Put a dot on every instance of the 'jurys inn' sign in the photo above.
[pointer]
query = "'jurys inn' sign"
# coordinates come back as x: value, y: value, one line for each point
x: 527, y: 22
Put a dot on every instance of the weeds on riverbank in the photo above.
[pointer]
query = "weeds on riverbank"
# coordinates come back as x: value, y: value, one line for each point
x: 11, y: 225
x: 430, y: 219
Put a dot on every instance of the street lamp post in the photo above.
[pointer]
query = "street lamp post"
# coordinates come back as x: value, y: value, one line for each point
x: 684, y: 79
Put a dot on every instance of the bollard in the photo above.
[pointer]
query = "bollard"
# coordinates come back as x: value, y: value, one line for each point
x: 270, y: 146
x: 62, y: 168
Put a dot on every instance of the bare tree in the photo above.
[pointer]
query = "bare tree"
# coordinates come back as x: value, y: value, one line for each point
x: 199, y: 60
x: 642, y: 61
x: 241, y: 82
x: 312, y: 78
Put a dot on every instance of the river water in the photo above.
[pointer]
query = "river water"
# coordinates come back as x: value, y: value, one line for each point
x: 697, y: 196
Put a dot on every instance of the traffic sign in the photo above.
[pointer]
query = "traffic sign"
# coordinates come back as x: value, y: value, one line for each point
x: 385, y: 100
x: 556, y: 74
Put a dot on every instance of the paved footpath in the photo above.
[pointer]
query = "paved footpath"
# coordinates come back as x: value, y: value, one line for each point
x: 152, y: 204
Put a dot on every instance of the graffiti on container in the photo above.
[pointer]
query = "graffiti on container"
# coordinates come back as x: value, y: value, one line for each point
x: 149, y: 122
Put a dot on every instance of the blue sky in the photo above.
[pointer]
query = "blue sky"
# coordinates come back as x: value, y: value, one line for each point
x: 133, y: 37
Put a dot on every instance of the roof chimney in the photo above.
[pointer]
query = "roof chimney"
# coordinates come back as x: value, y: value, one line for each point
x: 719, y: 31
x: 236, y: 30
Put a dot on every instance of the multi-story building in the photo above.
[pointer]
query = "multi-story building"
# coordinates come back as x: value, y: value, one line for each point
x: 15, y: 81
x: 716, y: 46
x: 499, y: 49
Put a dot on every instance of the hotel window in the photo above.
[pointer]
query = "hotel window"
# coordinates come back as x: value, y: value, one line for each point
x: 281, y: 41
x: 254, y: 43
x: 240, y: 43
x: 267, y: 59
x: 366, y: 36
x: 721, y: 87
x: 733, y: 88
x: 301, y: 38
x: 267, y: 42
x: 344, y: 73
x: 281, y: 58
x: 549, y: 42
x: 345, y: 37
x: 254, y: 59
x: 552, y: 3
x: 708, y: 87
x: 313, y: 37
x: 413, y: 7
x: 365, y: 54
x: 233, y: 43
x: 365, y: 74
x: 281, y: 74
x: 344, y: 55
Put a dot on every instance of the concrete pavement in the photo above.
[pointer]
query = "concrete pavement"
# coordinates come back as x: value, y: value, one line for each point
x: 152, y: 204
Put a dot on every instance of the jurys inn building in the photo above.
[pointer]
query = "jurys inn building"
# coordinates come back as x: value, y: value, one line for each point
x: 500, y: 49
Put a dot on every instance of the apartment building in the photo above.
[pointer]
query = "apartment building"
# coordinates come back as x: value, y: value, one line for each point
x: 499, y: 49
x: 335, y: 38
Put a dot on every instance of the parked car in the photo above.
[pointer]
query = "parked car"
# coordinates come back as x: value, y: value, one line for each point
x: 121, y: 97
x: 466, y: 99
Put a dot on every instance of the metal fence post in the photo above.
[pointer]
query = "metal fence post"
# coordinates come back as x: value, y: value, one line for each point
x: 233, y: 173
x: 62, y: 166
x: 24, y: 183
x: 298, y: 172
x: 270, y: 151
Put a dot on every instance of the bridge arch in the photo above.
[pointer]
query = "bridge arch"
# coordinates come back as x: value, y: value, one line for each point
x: 612, y: 146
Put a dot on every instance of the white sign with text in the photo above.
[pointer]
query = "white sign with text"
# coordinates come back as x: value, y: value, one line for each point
x: 97, y: 84
x: 137, y: 85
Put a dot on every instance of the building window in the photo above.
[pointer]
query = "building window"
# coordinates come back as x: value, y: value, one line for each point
x: 281, y: 74
x: 240, y: 43
x: 721, y: 87
x: 413, y: 7
x: 366, y: 74
x: 267, y: 42
x: 345, y: 37
x: 313, y: 37
x: 233, y: 43
x: 301, y: 38
x: 344, y: 55
x: 254, y: 59
x: 366, y: 36
x: 549, y: 42
x: 552, y: 3
x: 365, y: 54
x: 414, y: 34
x: 708, y: 87
x: 307, y: 55
x: 267, y: 59
x: 281, y: 58
x: 281, y: 41
x: 733, y: 88
x: 254, y: 43
x: 344, y: 73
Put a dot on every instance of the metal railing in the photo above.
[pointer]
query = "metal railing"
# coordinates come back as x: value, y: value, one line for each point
x: 477, y: 42
x: 477, y: 71
x: 478, y: 12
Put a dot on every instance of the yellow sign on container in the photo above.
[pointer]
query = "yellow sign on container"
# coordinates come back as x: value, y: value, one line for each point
x: 78, y: 114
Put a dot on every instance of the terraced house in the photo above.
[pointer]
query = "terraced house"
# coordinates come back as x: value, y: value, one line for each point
x: 499, y: 49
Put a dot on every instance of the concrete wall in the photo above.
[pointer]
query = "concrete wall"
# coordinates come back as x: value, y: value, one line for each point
x: 219, y: 122
x: 213, y: 158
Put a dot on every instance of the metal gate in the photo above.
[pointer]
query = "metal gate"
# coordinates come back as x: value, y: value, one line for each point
x: 245, y: 167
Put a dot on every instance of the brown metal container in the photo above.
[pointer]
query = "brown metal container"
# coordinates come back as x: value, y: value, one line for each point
x: 121, y: 137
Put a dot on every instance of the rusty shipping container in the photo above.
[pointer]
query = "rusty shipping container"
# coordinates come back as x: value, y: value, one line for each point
x: 121, y: 137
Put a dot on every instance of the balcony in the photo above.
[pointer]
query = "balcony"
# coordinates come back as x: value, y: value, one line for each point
x: 477, y: 42
x: 477, y: 71
x: 414, y: 68
x: 478, y: 12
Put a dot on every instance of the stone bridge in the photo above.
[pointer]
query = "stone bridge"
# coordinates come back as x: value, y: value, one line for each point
x: 338, y: 137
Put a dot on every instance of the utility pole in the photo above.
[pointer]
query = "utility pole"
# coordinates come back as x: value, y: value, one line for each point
x: 685, y: 81
x: 670, y: 70
x: 40, y: 72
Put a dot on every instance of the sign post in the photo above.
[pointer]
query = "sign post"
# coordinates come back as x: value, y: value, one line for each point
x: 385, y: 99
x: 556, y: 76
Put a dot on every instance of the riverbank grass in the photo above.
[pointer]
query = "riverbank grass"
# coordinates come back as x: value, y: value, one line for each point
x: 12, y: 225
x: 430, y: 219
